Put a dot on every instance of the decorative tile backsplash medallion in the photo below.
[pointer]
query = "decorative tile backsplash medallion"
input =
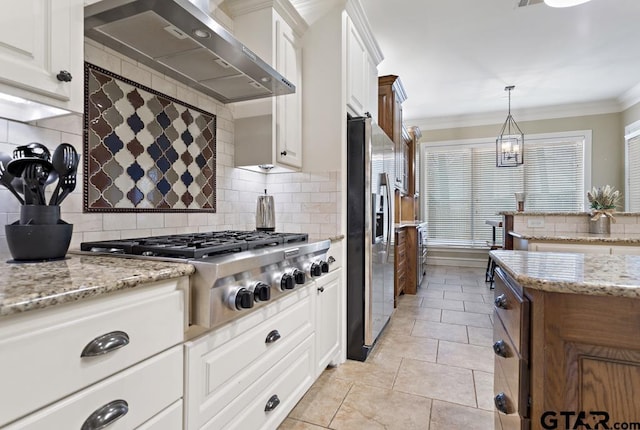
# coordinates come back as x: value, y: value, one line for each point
x: 145, y: 151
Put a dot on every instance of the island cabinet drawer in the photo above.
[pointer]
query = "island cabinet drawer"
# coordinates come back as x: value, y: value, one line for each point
x: 512, y: 309
x: 134, y: 397
x: 54, y: 352
x: 222, y: 364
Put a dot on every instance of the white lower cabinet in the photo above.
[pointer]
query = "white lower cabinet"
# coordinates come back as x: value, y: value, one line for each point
x: 328, y: 319
x: 71, y: 359
x: 233, y: 372
x: 170, y: 418
x: 134, y: 396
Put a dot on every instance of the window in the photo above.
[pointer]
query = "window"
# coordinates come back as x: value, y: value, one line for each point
x: 632, y: 170
x: 463, y: 187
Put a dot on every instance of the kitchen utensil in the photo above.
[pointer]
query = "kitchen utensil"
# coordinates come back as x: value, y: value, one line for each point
x: 65, y: 162
x: 31, y: 178
x: 265, y: 213
x: 6, y: 177
x: 32, y: 150
x: 18, y: 183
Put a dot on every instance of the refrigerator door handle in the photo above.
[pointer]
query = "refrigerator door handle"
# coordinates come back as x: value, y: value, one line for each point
x: 388, y: 214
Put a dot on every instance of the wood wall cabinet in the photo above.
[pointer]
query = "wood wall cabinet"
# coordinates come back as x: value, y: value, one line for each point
x: 391, y: 95
x: 564, y: 352
x: 400, y: 264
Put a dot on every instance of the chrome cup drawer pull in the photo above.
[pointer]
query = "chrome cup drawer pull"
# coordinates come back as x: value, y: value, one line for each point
x: 105, y: 344
x: 273, y: 336
x: 106, y: 415
x: 272, y: 403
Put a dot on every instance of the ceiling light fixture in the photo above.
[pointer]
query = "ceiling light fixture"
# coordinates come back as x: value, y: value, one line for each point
x: 564, y: 3
x: 510, y: 142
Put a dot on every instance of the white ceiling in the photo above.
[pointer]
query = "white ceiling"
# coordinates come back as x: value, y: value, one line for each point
x: 455, y: 57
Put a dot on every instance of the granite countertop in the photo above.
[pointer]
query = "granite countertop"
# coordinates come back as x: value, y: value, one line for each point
x: 592, y: 274
x: 619, y: 238
x: 28, y: 286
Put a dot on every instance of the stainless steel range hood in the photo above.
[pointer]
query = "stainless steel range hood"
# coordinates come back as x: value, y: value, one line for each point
x: 181, y: 40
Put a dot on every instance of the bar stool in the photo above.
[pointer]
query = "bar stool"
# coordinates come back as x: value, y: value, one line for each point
x: 491, y: 264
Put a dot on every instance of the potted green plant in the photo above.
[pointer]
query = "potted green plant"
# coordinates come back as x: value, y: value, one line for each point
x: 603, y: 202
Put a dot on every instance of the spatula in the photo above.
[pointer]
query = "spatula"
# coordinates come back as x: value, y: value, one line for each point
x: 6, y: 177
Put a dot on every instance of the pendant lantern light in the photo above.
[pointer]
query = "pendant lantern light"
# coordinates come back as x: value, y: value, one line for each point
x: 510, y: 142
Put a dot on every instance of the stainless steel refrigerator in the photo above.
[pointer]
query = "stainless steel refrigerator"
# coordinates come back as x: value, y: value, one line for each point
x: 370, y: 196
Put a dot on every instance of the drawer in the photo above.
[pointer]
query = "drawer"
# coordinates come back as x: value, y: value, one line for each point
x: 224, y: 363
x: 511, y: 371
x: 513, y: 311
x: 288, y: 380
x: 169, y: 418
x: 41, y: 354
x: 147, y: 389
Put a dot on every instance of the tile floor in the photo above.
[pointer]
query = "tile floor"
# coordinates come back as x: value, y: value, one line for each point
x: 432, y: 368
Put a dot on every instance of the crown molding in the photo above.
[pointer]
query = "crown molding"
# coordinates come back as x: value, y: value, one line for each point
x: 522, y: 115
x: 631, y: 97
x: 361, y: 22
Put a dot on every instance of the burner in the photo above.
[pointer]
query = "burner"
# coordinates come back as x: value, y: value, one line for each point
x: 195, y: 245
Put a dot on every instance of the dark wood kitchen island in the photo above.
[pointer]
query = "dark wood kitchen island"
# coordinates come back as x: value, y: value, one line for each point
x: 566, y: 340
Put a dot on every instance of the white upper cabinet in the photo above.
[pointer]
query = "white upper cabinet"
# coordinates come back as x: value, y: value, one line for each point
x: 41, y: 57
x: 269, y: 132
x: 362, y: 57
x: 357, y: 71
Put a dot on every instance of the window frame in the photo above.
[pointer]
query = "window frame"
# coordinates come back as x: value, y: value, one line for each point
x: 585, y: 135
x: 630, y: 131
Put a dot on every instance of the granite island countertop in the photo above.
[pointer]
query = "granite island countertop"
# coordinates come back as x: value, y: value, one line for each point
x: 591, y: 274
x: 545, y: 236
x: 28, y: 286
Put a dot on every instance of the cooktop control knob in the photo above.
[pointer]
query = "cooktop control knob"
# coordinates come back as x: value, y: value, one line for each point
x: 287, y: 282
x: 315, y: 270
x: 324, y: 266
x: 299, y: 276
x: 240, y: 298
x: 261, y: 292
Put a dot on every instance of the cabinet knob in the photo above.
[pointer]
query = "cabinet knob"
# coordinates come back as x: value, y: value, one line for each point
x: 106, y: 343
x: 64, y: 76
x: 283, y: 153
x: 106, y: 415
x: 500, y: 348
x: 321, y: 289
x: 501, y: 301
x: 501, y: 401
x: 272, y: 403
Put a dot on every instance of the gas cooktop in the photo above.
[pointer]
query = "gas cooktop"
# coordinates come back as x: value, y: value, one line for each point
x: 194, y: 245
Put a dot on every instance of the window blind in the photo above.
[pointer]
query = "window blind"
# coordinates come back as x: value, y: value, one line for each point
x: 462, y: 188
x: 633, y: 174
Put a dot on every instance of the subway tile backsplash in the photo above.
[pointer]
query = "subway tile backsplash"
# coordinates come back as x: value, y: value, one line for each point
x: 304, y: 202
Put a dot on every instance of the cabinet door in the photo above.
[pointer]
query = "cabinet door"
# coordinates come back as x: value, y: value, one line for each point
x: 38, y: 39
x: 356, y: 62
x: 288, y: 108
x: 328, y: 305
